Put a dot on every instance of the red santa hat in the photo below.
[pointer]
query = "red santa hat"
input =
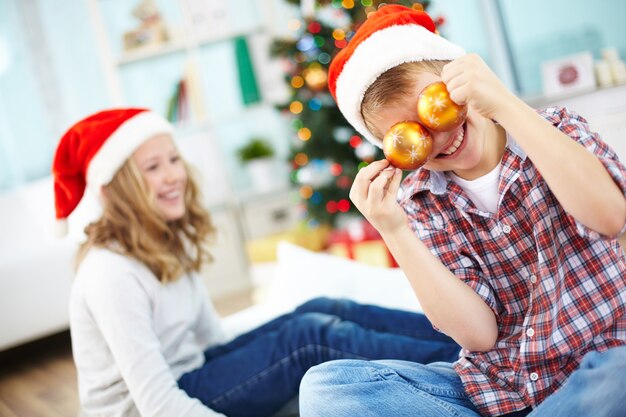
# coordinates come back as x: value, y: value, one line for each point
x: 391, y: 36
x: 94, y: 149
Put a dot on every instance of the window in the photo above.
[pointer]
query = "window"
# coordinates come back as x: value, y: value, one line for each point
x: 51, y: 73
x: 539, y: 30
x: 49, y: 77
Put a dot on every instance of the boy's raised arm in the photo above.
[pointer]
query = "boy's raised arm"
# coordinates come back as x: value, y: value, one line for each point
x: 576, y: 177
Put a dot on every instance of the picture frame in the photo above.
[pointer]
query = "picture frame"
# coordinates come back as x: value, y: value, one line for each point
x: 570, y: 74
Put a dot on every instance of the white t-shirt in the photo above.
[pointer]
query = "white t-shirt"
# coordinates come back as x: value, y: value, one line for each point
x: 134, y: 337
x: 482, y: 191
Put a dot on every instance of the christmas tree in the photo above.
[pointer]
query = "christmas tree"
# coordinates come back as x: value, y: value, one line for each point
x: 326, y: 152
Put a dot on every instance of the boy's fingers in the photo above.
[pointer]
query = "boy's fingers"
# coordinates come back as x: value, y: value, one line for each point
x: 454, y: 83
x: 388, y: 173
x: 372, y: 170
x: 394, y: 185
x: 460, y: 95
x: 362, y: 181
x: 452, y: 70
x: 377, y: 189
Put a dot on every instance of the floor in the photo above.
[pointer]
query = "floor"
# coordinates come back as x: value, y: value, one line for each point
x: 39, y: 379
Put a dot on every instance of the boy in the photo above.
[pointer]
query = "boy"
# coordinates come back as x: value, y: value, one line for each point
x: 507, y: 233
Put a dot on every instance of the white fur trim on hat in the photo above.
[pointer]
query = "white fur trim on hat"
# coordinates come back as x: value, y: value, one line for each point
x: 60, y: 228
x: 121, y: 144
x: 381, y: 51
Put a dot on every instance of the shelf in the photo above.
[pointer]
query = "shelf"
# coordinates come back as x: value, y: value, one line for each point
x: 152, y: 51
x: 189, y: 127
x: 177, y: 45
x: 146, y: 76
x: 543, y: 100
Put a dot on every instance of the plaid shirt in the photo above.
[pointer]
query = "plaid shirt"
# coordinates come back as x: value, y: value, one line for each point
x: 557, y: 288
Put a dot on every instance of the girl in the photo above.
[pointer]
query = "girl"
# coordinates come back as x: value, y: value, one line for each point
x: 146, y: 338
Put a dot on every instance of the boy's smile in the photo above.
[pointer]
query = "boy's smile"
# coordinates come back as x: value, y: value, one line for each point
x: 471, y: 150
x: 456, y: 143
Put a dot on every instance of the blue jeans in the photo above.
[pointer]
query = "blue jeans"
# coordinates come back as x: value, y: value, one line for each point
x: 387, y: 388
x: 399, y: 388
x: 597, y: 388
x: 384, y: 388
x: 259, y: 372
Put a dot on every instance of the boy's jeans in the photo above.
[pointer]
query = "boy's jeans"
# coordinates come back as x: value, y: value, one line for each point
x: 400, y: 388
x: 386, y: 388
x: 597, y: 388
x: 257, y: 373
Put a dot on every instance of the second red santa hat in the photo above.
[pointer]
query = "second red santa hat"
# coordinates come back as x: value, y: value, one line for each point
x: 94, y: 149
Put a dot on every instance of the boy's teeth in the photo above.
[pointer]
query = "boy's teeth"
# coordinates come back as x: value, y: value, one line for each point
x: 456, y: 144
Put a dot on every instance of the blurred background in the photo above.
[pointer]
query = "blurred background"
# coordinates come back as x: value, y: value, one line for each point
x: 244, y: 82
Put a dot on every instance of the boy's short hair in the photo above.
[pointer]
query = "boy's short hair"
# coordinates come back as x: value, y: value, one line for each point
x: 393, y: 87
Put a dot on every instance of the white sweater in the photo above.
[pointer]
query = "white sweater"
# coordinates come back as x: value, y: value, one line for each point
x: 133, y: 337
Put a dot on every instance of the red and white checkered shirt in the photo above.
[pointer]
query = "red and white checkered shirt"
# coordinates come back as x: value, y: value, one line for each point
x: 557, y: 288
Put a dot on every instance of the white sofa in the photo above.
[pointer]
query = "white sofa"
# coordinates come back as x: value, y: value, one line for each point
x: 35, y: 267
x: 300, y: 274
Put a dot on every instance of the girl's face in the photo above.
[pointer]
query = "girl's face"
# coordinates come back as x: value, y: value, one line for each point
x: 163, y: 169
x: 467, y: 158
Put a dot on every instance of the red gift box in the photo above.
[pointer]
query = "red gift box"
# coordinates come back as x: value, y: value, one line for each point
x: 362, y: 242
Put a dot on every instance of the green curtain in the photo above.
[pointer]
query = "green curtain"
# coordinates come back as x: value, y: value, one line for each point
x: 247, y: 81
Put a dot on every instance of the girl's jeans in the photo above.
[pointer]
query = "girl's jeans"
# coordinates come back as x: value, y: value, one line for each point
x: 260, y: 371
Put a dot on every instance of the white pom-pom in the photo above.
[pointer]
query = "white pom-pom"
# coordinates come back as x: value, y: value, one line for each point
x: 60, y: 228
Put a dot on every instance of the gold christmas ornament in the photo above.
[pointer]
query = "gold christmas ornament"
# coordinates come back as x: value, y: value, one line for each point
x: 437, y: 111
x: 407, y: 145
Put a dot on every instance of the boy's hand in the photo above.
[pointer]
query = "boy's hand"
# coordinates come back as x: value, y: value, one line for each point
x: 374, y: 193
x: 470, y: 81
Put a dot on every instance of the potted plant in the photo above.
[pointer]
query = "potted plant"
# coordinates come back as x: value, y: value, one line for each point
x: 257, y: 155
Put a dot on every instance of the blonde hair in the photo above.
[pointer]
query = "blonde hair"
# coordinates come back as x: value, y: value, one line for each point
x: 131, y: 225
x: 393, y: 87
